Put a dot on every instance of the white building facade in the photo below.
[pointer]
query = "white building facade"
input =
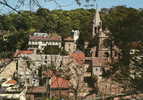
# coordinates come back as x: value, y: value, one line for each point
x: 41, y: 40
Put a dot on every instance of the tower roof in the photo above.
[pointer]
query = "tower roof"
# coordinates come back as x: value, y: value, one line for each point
x: 97, y: 23
x: 97, y: 19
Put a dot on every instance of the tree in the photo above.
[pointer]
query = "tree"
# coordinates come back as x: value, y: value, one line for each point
x: 125, y: 25
x: 31, y: 3
x: 124, y: 22
x: 22, y: 21
x: 13, y: 42
x: 54, y: 50
x: 51, y: 50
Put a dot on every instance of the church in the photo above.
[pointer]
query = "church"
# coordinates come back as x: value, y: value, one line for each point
x: 104, y: 51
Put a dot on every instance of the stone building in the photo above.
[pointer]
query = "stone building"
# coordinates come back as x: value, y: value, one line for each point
x: 103, y: 53
x: 25, y: 72
x: 69, y: 45
x: 101, y: 50
x: 30, y: 65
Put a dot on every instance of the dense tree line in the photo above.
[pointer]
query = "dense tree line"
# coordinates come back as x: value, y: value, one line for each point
x: 126, y: 32
x: 19, y: 25
x: 44, y: 20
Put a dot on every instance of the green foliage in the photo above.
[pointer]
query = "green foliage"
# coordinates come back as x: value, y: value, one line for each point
x: 51, y: 50
x: 44, y: 20
x: 5, y: 54
x: 121, y: 21
x: 125, y: 24
x: 54, y: 50
x: 13, y: 42
x: 126, y: 27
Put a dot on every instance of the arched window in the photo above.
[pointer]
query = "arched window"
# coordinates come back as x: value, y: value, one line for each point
x: 116, y: 54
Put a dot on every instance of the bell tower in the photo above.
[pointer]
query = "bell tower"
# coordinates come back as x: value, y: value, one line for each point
x: 102, y: 48
x: 97, y: 24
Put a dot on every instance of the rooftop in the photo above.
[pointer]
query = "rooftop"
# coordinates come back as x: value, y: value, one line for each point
x: 46, y: 37
x: 58, y: 82
x: 78, y: 56
x: 11, y: 82
x: 23, y: 52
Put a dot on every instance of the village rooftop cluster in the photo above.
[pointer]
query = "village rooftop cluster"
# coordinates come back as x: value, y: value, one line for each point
x: 68, y: 74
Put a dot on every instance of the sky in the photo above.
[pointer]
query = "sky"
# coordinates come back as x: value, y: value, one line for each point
x: 102, y: 3
x: 71, y: 4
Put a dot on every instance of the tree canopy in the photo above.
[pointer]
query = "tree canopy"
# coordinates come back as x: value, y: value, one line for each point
x: 18, y: 26
x: 126, y: 27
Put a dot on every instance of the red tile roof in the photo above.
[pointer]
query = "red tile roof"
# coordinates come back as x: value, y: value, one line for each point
x: 58, y: 82
x: 23, y: 52
x: 79, y: 56
x: 49, y: 73
x: 54, y: 38
x: 11, y: 82
x: 136, y: 44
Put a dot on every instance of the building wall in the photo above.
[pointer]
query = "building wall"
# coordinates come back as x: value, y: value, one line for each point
x: 8, y: 70
x: 57, y: 60
x: 28, y: 74
x: 41, y: 40
x: 40, y: 44
x: 70, y: 46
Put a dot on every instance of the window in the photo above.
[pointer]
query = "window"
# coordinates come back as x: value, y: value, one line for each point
x: 44, y: 42
x: 106, y: 54
x: 106, y: 43
x: 95, y: 29
x: 116, y: 54
x: 28, y: 81
x: 43, y: 47
x: 45, y: 57
x: 46, y: 62
x: 69, y: 45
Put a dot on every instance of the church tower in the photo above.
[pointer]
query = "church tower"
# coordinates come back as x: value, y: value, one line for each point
x: 102, y: 49
x: 97, y: 24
